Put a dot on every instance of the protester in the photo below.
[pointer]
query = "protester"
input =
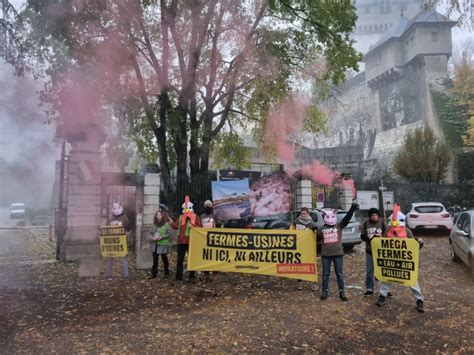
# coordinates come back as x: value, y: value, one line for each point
x: 160, y: 234
x: 184, y: 223
x: 330, y: 235
x: 305, y: 222
x: 374, y: 226
x: 119, y: 219
x: 208, y: 220
x: 398, y: 230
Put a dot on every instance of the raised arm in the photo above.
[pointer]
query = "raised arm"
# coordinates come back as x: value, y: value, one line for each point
x: 347, y: 218
x: 173, y: 224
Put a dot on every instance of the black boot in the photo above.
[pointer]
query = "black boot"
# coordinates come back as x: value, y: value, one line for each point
x: 342, y: 296
x: 380, y: 301
x: 419, y: 306
x: 324, y: 295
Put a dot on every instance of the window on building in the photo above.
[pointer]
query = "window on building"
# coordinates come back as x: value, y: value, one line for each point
x: 434, y: 36
x: 367, y: 9
x: 378, y: 58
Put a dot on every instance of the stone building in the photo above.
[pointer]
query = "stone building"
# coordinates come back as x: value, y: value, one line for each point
x: 376, y: 17
x: 371, y: 113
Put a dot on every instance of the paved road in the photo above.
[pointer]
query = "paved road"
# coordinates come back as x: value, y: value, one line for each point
x: 20, y: 250
x: 5, y: 220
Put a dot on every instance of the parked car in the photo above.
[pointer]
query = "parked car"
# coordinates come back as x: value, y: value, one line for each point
x: 461, y: 240
x: 17, y: 210
x: 261, y: 222
x: 429, y: 216
x: 350, y: 234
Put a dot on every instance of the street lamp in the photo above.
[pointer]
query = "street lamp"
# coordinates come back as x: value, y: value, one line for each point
x: 383, y: 188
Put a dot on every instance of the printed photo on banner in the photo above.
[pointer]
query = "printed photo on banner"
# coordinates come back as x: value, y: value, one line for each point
x: 282, y: 253
x: 241, y: 199
x: 396, y: 260
x: 113, y: 241
x: 231, y: 199
x: 270, y: 195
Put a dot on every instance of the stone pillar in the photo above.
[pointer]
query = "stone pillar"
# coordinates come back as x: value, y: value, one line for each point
x: 151, y: 203
x: 346, y: 196
x: 303, y: 194
x: 81, y: 241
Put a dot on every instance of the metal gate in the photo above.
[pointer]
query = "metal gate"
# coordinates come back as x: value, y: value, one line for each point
x: 61, y: 210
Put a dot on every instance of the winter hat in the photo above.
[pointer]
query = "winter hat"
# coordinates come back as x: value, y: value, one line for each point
x: 208, y: 203
x: 373, y: 211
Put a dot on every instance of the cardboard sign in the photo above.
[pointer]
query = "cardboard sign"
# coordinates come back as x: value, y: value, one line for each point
x: 113, y: 241
x: 284, y: 253
x: 396, y: 260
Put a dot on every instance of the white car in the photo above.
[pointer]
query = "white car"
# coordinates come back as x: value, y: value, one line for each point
x: 429, y: 216
x: 461, y: 240
x: 17, y: 210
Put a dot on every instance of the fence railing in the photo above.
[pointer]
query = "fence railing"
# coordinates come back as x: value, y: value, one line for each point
x: 199, y: 189
x: 407, y: 193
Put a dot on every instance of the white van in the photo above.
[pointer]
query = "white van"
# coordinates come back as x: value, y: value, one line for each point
x: 17, y: 210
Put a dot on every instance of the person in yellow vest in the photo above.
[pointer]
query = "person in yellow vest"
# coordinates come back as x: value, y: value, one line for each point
x: 399, y: 230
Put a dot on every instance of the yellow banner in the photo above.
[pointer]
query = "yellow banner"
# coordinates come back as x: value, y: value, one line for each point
x: 396, y: 260
x: 281, y: 253
x: 113, y: 241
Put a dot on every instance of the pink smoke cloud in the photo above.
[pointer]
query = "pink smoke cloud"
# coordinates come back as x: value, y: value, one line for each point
x: 285, y: 121
x: 319, y: 172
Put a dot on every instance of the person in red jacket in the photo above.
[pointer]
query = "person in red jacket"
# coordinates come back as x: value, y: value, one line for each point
x: 186, y: 220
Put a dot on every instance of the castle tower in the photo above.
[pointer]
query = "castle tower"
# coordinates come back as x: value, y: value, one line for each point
x: 377, y: 16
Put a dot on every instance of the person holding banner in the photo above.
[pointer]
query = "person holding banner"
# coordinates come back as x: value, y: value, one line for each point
x: 399, y: 230
x: 208, y: 220
x: 330, y: 234
x: 186, y: 220
x: 374, y: 226
x: 305, y: 222
x: 118, y: 219
x: 160, y: 234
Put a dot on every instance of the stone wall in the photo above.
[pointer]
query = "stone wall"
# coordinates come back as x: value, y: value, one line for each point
x: 367, y: 125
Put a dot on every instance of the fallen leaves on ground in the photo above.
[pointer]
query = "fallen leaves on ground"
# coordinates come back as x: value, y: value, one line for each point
x: 49, y: 309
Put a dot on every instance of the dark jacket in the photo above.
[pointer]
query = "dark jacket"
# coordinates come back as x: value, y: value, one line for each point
x: 370, y: 230
x: 331, y: 236
x: 301, y: 224
x: 121, y: 220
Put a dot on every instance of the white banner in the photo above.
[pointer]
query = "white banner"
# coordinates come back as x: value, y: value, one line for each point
x: 368, y: 199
